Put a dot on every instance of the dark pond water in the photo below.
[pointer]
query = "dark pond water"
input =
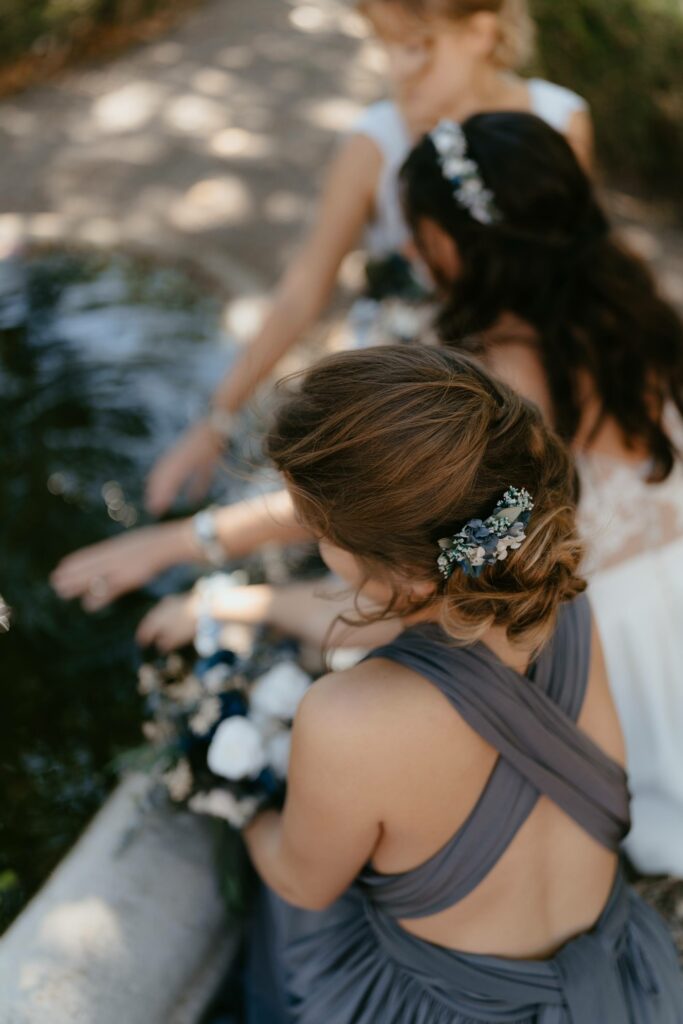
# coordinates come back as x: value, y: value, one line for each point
x: 101, y: 363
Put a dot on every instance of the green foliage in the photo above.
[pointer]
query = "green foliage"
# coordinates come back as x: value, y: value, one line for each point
x: 626, y: 58
x: 40, y: 25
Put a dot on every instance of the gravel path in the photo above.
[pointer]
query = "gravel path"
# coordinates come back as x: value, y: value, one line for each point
x: 207, y: 145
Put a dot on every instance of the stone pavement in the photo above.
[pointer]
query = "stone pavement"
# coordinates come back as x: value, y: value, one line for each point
x: 208, y: 145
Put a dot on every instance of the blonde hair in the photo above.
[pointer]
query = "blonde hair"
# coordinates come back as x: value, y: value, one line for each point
x: 386, y: 450
x: 517, y: 30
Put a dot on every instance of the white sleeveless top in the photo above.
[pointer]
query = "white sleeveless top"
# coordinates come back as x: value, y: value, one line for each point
x: 382, y: 122
x: 634, y: 532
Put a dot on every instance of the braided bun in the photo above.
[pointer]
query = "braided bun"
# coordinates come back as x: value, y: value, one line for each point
x: 387, y: 450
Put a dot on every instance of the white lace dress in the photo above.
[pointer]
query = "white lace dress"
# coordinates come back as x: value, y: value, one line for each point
x: 634, y: 532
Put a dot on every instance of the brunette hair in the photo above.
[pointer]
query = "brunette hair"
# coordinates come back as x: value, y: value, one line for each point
x: 387, y: 450
x: 516, y: 34
x: 552, y: 260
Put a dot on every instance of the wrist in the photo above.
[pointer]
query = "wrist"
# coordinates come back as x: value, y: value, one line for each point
x: 180, y: 538
x: 222, y: 423
x: 205, y: 538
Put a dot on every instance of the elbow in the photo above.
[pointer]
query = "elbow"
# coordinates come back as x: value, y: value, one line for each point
x: 306, y: 898
x: 309, y: 901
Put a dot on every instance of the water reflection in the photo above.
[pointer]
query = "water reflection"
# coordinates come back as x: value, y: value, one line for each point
x: 101, y: 364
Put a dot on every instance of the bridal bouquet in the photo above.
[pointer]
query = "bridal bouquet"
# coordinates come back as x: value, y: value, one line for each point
x: 220, y: 727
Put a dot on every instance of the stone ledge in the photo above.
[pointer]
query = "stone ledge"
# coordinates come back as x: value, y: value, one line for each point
x: 129, y: 928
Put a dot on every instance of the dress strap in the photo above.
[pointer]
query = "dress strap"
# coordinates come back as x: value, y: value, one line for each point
x: 531, y: 721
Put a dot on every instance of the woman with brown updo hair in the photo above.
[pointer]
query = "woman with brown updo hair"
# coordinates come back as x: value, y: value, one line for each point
x: 447, y: 852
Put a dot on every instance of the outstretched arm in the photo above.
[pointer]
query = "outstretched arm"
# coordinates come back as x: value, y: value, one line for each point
x: 345, y: 206
x: 309, y: 611
x: 102, y: 572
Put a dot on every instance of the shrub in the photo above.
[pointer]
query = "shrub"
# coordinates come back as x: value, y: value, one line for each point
x: 41, y: 24
x: 626, y: 58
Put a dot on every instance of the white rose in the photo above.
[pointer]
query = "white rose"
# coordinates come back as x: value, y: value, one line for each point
x: 278, y: 693
x: 237, y: 750
x: 277, y: 748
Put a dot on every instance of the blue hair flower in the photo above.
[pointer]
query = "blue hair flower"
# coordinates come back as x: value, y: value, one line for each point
x: 485, y: 542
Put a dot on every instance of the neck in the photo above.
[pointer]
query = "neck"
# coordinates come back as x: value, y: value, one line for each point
x: 488, y: 88
x: 517, y: 656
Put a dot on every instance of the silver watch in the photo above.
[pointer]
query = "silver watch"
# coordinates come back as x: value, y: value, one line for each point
x: 204, y: 526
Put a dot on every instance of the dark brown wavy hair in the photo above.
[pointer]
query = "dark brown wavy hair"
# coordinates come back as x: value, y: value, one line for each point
x: 386, y: 450
x: 554, y: 262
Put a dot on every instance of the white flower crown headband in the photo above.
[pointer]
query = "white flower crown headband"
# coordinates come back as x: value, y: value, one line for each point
x: 463, y: 173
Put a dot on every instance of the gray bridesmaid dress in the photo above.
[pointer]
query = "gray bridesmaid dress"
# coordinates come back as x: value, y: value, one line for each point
x: 354, y: 964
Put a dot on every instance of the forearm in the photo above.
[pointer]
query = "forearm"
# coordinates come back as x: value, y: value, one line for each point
x: 298, y: 609
x: 263, y: 838
x: 310, y: 611
x: 247, y: 525
x: 306, y: 287
x: 294, y: 310
x: 240, y: 529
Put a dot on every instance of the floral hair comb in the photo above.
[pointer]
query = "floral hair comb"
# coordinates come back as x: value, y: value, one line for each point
x: 463, y: 173
x: 485, y: 542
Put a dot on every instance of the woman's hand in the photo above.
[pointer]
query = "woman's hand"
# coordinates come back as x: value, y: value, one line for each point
x: 101, y: 573
x: 190, y: 463
x: 170, y: 624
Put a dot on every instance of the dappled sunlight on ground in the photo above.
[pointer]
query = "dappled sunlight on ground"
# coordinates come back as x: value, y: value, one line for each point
x: 207, y: 145
x: 88, y: 924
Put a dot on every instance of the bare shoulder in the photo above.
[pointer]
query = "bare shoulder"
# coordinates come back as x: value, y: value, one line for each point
x: 381, y: 711
x: 517, y: 362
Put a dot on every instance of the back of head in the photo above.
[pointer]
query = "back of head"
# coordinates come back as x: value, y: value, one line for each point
x: 550, y: 258
x: 388, y: 450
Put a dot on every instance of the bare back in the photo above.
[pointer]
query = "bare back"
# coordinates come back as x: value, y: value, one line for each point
x: 553, y: 879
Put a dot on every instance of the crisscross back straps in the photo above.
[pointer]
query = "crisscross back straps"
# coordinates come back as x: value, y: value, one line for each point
x: 531, y: 722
